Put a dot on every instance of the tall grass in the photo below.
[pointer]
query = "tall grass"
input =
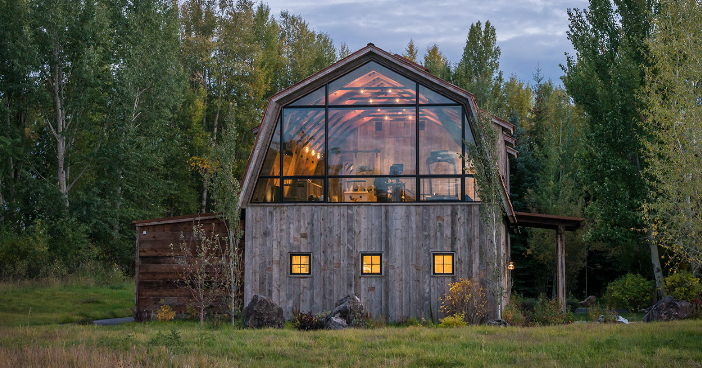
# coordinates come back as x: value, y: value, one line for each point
x: 180, y: 344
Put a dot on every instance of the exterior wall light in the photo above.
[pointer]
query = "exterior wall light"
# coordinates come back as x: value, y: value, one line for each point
x: 511, y: 266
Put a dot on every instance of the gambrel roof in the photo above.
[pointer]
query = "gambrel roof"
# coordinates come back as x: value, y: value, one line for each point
x: 370, y: 53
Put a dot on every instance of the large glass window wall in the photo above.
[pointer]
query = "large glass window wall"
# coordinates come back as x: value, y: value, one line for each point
x: 372, y: 135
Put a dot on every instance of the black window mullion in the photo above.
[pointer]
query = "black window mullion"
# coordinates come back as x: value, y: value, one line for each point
x: 418, y: 189
x: 325, y: 189
x: 463, y: 161
x: 282, y: 152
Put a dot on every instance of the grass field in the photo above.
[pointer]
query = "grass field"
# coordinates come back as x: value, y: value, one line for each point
x: 37, y: 340
x: 181, y: 344
x: 65, y: 301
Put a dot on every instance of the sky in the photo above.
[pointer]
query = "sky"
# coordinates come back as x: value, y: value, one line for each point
x: 530, y: 33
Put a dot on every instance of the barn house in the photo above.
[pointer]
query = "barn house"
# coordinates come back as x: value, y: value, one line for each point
x: 357, y: 183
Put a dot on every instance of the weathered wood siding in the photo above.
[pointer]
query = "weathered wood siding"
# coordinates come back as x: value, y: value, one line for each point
x: 156, y: 273
x: 336, y: 235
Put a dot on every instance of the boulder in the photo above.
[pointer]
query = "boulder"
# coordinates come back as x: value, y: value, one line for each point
x: 335, y: 323
x: 588, y: 302
x: 263, y: 312
x: 351, y: 310
x: 668, y: 309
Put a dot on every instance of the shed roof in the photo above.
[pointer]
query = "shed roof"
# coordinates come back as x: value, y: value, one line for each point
x: 547, y: 221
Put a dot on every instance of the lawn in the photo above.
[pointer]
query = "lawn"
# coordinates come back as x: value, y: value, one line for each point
x: 55, y: 302
x: 37, y: 339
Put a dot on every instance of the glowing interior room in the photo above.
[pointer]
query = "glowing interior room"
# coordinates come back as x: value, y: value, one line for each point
x: 371, y: 135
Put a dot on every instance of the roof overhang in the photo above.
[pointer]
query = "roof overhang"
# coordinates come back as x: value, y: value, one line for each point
x: 541, y: 221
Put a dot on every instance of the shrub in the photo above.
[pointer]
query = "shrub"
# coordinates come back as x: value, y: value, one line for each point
x: 307, y: 321
x: 165, y: 313
x: 513, y: 313
x: 595, y: 312
x: 454, y: 320
x: 548, y: 312
x: 683, y: 285
x: 465, y: 297
x: 630, y: 291
x: 25, y: 254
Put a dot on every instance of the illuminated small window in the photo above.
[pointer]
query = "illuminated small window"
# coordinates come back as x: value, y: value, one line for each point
x: 372, y: 264
x: 443, y: 263
x: 300, y: 264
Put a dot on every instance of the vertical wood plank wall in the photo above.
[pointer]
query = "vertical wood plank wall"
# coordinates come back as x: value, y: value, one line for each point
x: 336, y: 235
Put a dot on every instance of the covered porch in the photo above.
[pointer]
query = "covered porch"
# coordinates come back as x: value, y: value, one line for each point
x: 561, y: 224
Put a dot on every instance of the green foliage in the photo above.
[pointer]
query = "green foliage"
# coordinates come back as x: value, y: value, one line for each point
x: 630, y: 291
x: 453, y: 321
x: 478, y: 70
x: 436, y: 62
x: 308, y: 321
x: 683, y: 285
x: 608, y: 315
x: 24, y: 255
x: 513, y: 311
x: 674, y: 120
x: 603, y: 79
x: 114, y: 111
x: 548, y: 312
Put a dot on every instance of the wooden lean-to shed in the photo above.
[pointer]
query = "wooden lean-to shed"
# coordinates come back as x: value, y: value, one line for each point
x: 156, y: 267
x: 357, y: 183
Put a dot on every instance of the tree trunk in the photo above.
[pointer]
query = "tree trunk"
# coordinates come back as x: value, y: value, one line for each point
x: 60, y: 125
x: 2, y: 205
x: 656, y: 262
x: 205, y: 184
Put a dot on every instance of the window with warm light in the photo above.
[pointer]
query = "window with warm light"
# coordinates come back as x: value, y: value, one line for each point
x: 371, y: 135
x: 372, y: 264
x: 300, y: 263
x: 443, y: 263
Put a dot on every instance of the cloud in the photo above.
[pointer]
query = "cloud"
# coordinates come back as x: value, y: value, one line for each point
x: 529, y: 32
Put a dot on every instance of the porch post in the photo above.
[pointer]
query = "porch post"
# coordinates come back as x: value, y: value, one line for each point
x: 560, y: 260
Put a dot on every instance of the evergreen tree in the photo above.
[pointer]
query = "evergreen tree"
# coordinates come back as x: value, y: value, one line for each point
x: 410, y: 52
x: 437, y: 64
x: 478, y: 71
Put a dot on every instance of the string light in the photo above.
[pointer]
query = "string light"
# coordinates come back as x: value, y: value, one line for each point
x: 317, y: 155
x: 371, y: 101
x: 389, y: 91
x: 307, y: 149
x: 361, y: 91
x: 386, y: 118
x: 312, y: 152
x: 397, y: 100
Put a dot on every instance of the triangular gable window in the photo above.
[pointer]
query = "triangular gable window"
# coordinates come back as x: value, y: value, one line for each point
x: 372, y: 135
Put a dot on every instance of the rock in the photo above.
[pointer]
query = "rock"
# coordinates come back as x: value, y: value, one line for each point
x: 335, y: 323
x: 498, y: 323
x: 588, y: 302
x: 668, y: 309
x: 351, y: 310
x: 623, y: 320
x: 262, y: 312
